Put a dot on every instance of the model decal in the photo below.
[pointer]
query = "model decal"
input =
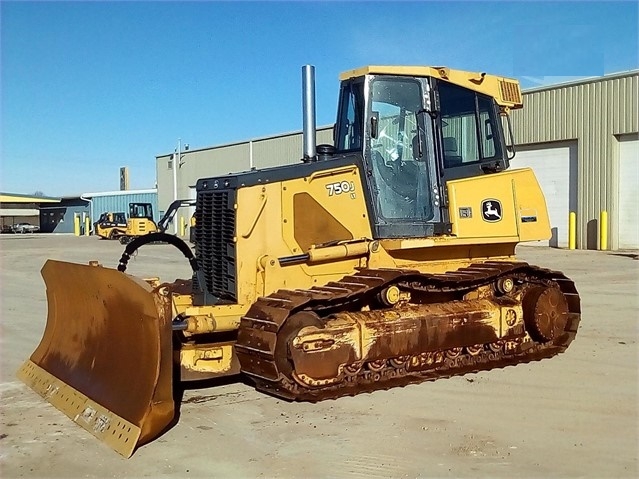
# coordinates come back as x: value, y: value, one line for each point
x: 341, y: 187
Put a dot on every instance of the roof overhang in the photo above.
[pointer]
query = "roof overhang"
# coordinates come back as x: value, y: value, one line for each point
x: 118, y: 193
x: 17, y: 198
x: 19, y: 212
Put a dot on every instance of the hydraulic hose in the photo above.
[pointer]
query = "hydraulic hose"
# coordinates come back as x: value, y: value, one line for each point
x: 133, y: 246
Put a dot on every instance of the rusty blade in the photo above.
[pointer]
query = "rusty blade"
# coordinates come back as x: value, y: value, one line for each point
x: 107, y: 350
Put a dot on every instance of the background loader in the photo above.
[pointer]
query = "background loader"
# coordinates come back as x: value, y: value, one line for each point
x: 110, y: 225
x: 385, y: 259
x: 140, y: 222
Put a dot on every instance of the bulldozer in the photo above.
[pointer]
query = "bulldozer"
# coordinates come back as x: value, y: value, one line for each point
x: 384, y: 259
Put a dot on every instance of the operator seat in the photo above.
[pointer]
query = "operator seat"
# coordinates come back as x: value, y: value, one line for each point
x: 451, y: 154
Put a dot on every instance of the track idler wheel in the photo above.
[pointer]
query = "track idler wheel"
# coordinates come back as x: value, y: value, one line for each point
x: 545, y: 313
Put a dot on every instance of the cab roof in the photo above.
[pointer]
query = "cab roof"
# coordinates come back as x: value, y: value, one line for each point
x: 506, y: 91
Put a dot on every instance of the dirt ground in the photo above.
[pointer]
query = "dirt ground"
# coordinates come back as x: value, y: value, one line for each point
x: 571, y: 416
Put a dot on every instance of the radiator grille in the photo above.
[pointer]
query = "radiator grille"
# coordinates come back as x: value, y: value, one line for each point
x: 510, y: 91
x: 214, y: 245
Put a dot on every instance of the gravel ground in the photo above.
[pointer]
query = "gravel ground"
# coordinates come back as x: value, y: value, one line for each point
x: 572, y: 416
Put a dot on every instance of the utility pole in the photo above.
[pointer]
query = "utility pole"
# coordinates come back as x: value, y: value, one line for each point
x: 177, y: 157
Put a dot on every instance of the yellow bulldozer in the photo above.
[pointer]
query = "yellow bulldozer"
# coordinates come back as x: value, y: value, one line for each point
x: 385, y: 259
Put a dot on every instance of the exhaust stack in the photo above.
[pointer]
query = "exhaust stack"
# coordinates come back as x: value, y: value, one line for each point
x: 308, y: 102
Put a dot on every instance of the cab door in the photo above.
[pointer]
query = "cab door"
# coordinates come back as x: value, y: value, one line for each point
x: 469, y: 132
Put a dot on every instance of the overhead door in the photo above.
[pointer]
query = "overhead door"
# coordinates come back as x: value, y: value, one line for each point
x: 555, y: 166
x: 628, y: 220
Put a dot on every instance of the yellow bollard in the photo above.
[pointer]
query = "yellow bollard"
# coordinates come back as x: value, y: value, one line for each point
x: 87, y: 226
x: 603, y: 230
x: 572, y: 230
x: 76, y: 225
x: 182, y: 226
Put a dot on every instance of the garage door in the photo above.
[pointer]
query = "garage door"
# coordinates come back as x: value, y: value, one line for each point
x: 555, y: 166
x: 628, y: 197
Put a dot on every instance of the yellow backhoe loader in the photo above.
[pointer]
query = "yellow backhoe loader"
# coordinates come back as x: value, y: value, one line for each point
x: 385, y: 259
x: 140, y: 222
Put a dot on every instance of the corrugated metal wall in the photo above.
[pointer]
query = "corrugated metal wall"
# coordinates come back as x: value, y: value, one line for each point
x: 593, y: 113
x: 117, y: 203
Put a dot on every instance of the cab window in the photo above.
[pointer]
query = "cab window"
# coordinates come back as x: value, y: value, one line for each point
x: 140, y: 210
x: 468, y: 125
x: 351, y: 112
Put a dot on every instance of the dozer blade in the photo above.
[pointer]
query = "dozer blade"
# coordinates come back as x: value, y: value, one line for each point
x: 105, y: 359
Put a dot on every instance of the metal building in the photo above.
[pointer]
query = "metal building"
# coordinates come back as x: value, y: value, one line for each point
x: 60, y: 217
x: 118, y: 201
x: 581, y: 138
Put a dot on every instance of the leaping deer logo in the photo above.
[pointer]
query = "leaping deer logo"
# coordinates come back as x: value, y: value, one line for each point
x: 491, y: 210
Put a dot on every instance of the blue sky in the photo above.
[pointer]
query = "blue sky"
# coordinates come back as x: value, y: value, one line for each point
x: 88, y: 87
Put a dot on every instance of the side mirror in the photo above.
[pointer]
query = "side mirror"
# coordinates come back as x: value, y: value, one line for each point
x: 374, y: 124
x: 488, y: 128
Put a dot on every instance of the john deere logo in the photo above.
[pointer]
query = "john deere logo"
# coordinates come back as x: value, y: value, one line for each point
x: 491, y: 210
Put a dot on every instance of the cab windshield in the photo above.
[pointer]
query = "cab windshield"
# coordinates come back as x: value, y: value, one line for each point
x: 399, y: 171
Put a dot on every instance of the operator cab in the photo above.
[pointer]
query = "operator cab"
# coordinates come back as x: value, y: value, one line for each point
x: 415, y: 130
x: 141, y: 210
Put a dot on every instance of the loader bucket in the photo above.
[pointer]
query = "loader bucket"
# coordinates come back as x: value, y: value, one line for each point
x: 105, y: 359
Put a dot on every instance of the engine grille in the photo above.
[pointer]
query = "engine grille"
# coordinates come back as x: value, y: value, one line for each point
x: 214, y: 245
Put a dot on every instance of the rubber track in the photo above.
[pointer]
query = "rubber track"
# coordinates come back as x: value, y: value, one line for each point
x: 259, y: 328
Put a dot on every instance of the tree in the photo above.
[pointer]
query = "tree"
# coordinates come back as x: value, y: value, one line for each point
x: 39, y: 193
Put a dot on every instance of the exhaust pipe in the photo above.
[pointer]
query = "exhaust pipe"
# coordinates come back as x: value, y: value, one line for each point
x: 308, y: 102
